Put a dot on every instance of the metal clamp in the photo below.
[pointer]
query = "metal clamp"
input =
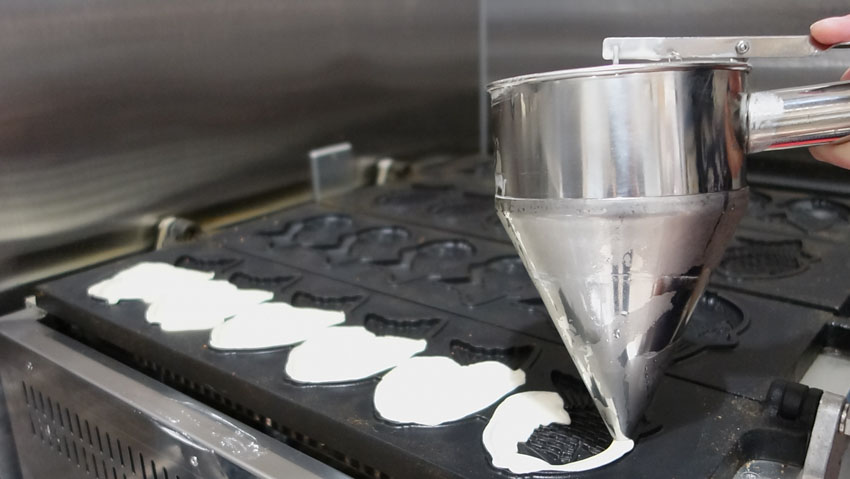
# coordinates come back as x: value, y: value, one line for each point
x: 173, y: 230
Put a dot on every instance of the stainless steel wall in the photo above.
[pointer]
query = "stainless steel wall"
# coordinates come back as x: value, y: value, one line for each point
x: 114, y: 113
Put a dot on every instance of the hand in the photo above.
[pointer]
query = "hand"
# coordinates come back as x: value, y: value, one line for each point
x: 829, y: 31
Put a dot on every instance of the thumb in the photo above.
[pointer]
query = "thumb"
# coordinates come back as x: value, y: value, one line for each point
x: 831, y: 30
x: 836, y: 153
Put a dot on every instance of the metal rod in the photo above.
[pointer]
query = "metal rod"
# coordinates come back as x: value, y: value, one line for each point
x: 795, y: 117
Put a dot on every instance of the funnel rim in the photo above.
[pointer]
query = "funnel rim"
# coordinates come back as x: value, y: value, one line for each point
x: 612, y: 70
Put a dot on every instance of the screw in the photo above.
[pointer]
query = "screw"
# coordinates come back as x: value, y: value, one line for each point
x: 193, y: 461
x: 742, y: 47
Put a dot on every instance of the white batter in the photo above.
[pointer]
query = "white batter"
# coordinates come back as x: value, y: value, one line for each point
x: 348, y: 353
x: 432, y: 390
x: 146, y: 281
x: 515, y: 420
x: 203, y: 305
x: 270, y: 325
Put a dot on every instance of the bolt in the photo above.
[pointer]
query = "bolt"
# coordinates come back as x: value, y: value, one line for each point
x: 193, y: 461
x: 742, y: 47
x: 29, y: 366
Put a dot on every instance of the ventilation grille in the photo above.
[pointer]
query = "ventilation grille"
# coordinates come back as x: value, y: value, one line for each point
x: 260, y: 421
x: 94, y: 451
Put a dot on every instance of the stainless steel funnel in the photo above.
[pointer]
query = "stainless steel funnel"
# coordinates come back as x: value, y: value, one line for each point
x: 620, y: 187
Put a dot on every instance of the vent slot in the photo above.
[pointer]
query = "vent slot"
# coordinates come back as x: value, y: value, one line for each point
x: 258, y: 420
x: 86, y: 447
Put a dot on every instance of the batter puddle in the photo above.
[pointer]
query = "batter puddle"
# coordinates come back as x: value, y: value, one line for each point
x: 516, y: 418
x: 432, y: 390
x: 270, y: 325
x: 203, y: 305
x: 179, y: 299
x: 348, y: 353
x: 146, y: 281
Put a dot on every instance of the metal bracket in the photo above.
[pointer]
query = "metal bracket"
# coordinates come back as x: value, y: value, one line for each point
x: 829, y: 438
x: 712, y: 48
x: 335, y: 170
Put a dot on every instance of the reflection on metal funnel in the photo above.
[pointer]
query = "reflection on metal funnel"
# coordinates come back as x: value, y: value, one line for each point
x: 620, y: 277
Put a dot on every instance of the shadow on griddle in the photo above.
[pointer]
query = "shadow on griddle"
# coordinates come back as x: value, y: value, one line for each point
x: 205, y: 263
x: 514, y: 357
x: 417, y: 328
x: 273, y: 283
x: 346, y: 303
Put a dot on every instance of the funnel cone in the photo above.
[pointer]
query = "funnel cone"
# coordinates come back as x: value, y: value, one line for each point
x: 620, y: 277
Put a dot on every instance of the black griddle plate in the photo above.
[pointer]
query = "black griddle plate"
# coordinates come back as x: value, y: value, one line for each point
x: 471, y: 299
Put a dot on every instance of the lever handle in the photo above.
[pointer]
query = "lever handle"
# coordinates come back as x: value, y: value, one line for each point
x: 712, y: 48
x: 796, y: 117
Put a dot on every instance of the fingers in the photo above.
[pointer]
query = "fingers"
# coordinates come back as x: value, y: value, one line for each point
x: 837, y: 154
x: 831, y: 30
x: 828, y: 31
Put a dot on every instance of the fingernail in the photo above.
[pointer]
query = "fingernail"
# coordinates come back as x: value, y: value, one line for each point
x: 826, y: 22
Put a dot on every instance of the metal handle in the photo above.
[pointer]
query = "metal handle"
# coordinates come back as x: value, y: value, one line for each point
x: 713, y: 48
x: 795, y: 117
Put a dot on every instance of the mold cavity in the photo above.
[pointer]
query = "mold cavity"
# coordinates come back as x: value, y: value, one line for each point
x: 715, y: 323
x: 323, y: 231
x: 502, y: 276
x: 302, y: 299
x: 829, y: 370
x: 416, y: 195
x: 514, y: 357
x: 762, y: 468
x: 204, y: 263
x: 786, y: 446
x: 271, y: 283
x: 757, y: 259
x: 470, y: 204
x: 408, y: 328
x: 378, y: 244
x: 446, y: 250
x: 561, y: 444
x: 573, y: 391
x: 816, y: 214
x: 383, y: 235
x: 432, y: 259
